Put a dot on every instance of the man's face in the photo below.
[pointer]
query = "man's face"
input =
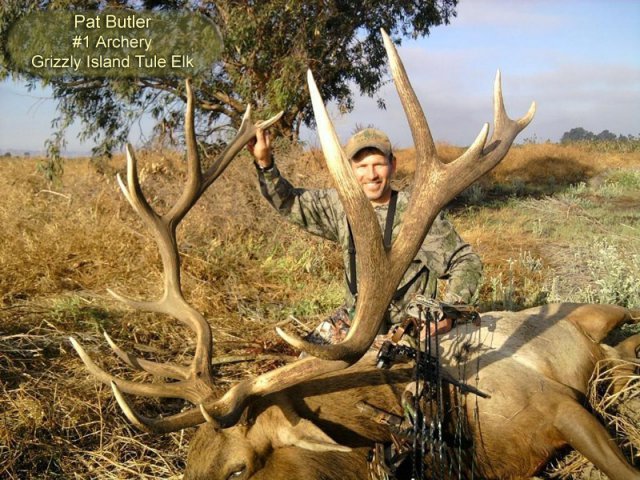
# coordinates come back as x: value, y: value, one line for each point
x: 373, y: 171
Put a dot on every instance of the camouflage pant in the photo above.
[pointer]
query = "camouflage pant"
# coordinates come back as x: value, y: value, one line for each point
x: 332, y: 330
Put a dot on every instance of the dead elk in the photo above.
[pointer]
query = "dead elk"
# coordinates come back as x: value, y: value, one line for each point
x: 298, y: 421
x: 534, y: 364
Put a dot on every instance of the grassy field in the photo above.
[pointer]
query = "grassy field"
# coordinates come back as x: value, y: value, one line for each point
x: 552, y: 223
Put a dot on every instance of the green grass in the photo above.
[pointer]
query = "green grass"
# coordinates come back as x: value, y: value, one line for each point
x: 73, y: 310
x: 581, y: 243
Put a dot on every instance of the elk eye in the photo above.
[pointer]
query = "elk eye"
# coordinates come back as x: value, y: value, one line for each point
x: 237, y: 473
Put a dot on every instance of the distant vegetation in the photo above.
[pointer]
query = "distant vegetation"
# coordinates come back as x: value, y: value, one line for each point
x: 605, y: 139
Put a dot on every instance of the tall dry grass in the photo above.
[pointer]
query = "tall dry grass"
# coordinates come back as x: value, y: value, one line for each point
x: 63, y: 245
x: 243, y: 267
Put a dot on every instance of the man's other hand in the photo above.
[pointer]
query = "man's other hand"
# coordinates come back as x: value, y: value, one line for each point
x: 260, y: 148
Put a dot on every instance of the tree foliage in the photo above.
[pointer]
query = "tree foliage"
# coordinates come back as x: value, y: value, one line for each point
x: 268, y: 46
x: 579, y: 134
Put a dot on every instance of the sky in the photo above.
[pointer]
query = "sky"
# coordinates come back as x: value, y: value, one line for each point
x: 579, y: 60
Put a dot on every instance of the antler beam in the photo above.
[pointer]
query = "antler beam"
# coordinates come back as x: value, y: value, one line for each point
x: 436, y: 184
x: 195, y: 382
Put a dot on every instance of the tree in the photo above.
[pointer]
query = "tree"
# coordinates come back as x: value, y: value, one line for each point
x: 606, y: 135
x: 268, y: 46
x: 577, y: 134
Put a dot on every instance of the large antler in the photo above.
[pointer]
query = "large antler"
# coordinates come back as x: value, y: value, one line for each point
x: 195, y: 382
x: 379, y: 271
x: 436, y: 184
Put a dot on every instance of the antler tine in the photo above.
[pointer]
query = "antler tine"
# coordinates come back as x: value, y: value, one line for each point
x: 133, y: 192
x: 422, y: 139
x: 154, y: 306
x: 351, y: 195
x: 185, y: 390
x: 167, y: 370
x: 474, y: 163
x: 372, y: 256
x: 245, y: 133
x: 193, y: 187
x: 501, y: 119
x: 135, y: 418
x: 189, y: 418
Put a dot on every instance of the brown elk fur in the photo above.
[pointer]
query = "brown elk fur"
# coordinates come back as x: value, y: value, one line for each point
x: 535, y: 364
x: 268, y: 447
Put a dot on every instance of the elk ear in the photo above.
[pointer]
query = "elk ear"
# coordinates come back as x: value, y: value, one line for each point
x: 291, y: 430
x: 305, y: 434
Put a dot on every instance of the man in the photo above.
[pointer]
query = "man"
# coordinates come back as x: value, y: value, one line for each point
x: 443, y: 254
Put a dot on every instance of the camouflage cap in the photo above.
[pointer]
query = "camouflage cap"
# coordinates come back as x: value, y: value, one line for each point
x: 368, y: 138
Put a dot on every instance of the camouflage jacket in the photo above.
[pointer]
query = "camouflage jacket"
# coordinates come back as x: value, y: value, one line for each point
x: 443, y: 254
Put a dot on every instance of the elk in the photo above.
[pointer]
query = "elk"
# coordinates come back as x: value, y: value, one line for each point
x: 304, y: 419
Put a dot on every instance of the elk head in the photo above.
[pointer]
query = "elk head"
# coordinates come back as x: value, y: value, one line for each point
x: 272, y: 438
x: 436, y: 183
